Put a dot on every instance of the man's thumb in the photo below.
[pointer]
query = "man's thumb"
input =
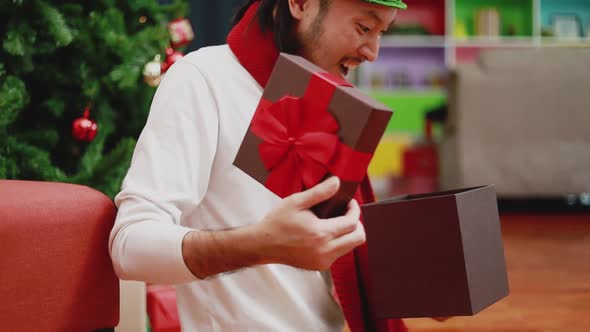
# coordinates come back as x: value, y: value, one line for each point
x: 317, y: 194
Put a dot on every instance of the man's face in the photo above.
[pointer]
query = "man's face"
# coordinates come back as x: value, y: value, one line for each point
x: 343, y: 35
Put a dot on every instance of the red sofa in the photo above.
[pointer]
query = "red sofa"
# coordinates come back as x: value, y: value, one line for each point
x: 55, y: 269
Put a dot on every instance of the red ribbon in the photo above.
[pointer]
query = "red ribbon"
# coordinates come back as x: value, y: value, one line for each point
x: 300, y: 143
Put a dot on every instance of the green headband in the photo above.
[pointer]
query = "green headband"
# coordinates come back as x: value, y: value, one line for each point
x: 391, y: 3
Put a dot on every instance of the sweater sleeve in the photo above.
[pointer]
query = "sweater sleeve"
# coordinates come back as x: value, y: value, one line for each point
x: 168, y: 176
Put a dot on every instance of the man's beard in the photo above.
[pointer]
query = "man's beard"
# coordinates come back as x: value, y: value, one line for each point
x: 308, y: 41
x: 309, y: 46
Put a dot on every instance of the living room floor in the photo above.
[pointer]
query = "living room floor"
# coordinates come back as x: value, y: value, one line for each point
x: 548, y: 261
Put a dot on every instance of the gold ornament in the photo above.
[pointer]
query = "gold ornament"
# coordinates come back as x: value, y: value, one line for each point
x: 152, y: 72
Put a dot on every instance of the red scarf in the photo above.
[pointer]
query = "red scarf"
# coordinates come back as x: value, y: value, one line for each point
x: 256, y: 51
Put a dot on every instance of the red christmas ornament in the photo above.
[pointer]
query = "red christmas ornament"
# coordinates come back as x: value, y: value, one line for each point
x: 171, y: 57
x: 181, y: 32
x: 84, y: 129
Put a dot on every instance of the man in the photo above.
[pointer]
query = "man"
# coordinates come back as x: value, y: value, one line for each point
x: 241, y: 258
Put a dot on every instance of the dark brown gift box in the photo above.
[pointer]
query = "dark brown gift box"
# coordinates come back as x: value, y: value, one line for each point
x: 435, y: 255
x: 361, y: 120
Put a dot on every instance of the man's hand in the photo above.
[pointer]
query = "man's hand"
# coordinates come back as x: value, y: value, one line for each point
x: 290, y: 234
x: 295, y: 236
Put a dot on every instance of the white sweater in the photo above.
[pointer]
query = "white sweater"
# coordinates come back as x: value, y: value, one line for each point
x: 182, y: 178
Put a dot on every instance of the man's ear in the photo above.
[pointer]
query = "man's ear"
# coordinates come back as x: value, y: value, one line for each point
x: 297, y: 7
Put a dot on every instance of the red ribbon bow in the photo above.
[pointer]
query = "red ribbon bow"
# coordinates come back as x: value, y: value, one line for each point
x: 300, y: 142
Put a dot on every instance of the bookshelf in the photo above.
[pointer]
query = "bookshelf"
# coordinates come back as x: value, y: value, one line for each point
x: 432, y: 37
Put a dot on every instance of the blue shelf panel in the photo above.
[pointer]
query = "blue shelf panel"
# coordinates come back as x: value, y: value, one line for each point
x: 580, y: 8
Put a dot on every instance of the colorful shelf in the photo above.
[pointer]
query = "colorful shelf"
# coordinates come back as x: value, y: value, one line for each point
x: 433, y: 36
x: 459, y: 27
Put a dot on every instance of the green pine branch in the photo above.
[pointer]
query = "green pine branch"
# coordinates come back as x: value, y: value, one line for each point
x: 56, y: 24
x: 109, y: 173
x: 13, y: 97
x: 20, y: 39
x: 33, y: 163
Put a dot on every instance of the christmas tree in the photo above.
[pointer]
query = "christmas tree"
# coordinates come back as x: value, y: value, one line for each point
x: 59, y: 58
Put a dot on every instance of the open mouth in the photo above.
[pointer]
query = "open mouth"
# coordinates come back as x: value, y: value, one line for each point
x: 349, y: 63
x: 343, y: 69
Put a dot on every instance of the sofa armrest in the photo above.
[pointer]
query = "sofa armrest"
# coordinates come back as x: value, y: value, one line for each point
x: 56, y: 270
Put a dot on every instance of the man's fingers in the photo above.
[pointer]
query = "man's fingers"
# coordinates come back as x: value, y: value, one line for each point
x: 347, y: 242
x: 354, y: 210
x: 317, y: 194
x: 345, y: 224
x: 339, y: 226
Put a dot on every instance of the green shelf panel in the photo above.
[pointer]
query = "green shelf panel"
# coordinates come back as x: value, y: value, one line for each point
x: 410, y: 107
x: 515, y: 13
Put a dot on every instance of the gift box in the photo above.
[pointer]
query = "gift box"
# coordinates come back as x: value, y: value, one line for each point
x: 435, y: 255
x: 308, y: 126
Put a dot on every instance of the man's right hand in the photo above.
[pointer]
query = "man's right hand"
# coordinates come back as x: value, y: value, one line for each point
x: 291, y: 234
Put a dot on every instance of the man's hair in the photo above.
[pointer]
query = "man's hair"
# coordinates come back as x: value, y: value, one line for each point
x: 282, y: 24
